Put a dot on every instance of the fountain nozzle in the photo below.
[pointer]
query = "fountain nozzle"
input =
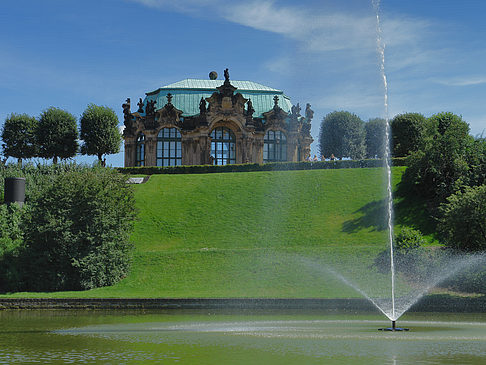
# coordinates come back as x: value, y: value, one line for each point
x: 393, y: 328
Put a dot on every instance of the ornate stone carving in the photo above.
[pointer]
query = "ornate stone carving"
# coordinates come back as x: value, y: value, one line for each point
x: 128, y: 119
x: 225, y: 101
x: 276, y: 117
x: 140, y: 106
x: 309, y: 113
x: 150, y: 108
x: 295, y: 111
x: 202, y: 106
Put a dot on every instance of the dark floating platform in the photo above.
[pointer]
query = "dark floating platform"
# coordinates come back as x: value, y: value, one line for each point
x: 393, y: 328
x: 396, y: 329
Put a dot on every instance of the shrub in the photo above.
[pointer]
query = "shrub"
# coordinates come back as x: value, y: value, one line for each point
x: 77, y: 231
x: 11, y: 243
x: 463, y: 221
x: 408, y: 239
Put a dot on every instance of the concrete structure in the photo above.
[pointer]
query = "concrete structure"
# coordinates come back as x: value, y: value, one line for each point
x: 197, y: 122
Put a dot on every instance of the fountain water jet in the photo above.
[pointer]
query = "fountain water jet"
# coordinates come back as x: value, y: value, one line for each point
x: 381, y: 50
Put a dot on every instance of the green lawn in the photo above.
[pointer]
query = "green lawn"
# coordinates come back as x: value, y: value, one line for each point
x: 256, y: 234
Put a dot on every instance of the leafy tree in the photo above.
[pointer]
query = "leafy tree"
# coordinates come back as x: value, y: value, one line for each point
x: 78, y: 231
x: 57, y: 134
x: 375, y: 131
x: 99, y: 131
x: 476, y: 159
x: 19, y: 137
x: 342, y: 135
x: 408, y: 133
x: 441, y: 167
x: 463, y: 221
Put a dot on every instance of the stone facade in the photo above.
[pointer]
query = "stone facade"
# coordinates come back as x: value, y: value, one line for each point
x: 224, y: 131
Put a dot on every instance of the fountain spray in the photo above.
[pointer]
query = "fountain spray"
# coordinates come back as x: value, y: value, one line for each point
x: 380, y: 45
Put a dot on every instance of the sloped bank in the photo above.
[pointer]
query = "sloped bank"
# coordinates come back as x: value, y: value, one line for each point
x: 432, y: 303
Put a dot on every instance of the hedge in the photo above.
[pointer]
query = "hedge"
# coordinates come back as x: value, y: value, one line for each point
x: 273, y: 166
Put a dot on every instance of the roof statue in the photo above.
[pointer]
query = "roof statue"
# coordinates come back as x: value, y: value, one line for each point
x: 296, y: 110
x: 150, y: 109
x: 126, y: 108
x: 309, y: 113
x: 275, y: 101
x: 140, y: 105
x: 226, y: 75
x: 249, y: 110
x: 202, y: 106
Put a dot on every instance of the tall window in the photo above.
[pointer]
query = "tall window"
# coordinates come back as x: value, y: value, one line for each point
x: 274, y: 146
x: 140, y: 150
x: 223, y: 146
x: 169, y: 147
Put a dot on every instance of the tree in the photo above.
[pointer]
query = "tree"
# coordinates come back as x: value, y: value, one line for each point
x: 463, y: 221
x: 99, y: 131
x: 78, y: 231
x: 375, y: 131
x: 408, y: 133
x: 19, y: 137
x: 441, y: 167
x: 342, y: 135
x: 57, y: 134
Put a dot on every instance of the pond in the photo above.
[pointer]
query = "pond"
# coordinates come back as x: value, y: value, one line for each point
x: 222, y: 337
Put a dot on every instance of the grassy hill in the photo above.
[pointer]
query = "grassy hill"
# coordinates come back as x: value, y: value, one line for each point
x: 256, y: 234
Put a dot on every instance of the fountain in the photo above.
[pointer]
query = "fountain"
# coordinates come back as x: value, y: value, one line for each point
x: 443, y: 264
x: 381, y: 50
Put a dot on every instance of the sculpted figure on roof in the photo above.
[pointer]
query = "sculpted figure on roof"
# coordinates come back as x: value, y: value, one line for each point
x: 309, y: 113
x: 140, y: 105
x: 202, y: 106
x: 226, y: 75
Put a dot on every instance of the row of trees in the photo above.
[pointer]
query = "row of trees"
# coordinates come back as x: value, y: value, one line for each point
x: 344, y: 134
x: 55, y: 134
x: 448, y: 172
x: 446, y: 166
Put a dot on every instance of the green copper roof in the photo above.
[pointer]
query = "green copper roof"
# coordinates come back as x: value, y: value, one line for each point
x: 187, y: 95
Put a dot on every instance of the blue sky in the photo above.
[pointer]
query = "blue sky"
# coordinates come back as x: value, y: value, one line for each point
x: 69, y: 53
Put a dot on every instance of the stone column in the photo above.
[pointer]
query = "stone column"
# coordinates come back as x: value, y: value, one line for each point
x: 150, y: 148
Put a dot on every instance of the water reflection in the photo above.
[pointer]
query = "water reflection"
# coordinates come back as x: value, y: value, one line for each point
x: 209, y: 338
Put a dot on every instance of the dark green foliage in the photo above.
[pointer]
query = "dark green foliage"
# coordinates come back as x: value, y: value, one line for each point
x: 375, y: 131
x: 19, y: 137
x: 273, y: 166
x: 342, y: 135
x: 77, y: 232
x: 408, y: 133
x: 99, y: 131
x: 408, y: 252
x: 11, y: 244
x: 463, y: 221
x: 57, y: 134
x: 476, y: 160
x: 408, y: 239
x: 441, y: 168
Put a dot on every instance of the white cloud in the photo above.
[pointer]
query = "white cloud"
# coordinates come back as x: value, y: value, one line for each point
x: 462, y: 81
x: 316, y: 29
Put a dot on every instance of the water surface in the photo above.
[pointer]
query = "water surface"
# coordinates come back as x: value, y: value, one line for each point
x: 209, y: 337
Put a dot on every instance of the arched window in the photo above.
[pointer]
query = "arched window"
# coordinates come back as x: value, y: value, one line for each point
x: 169, y: 147
x: 223, y: 146
x: 274, y: 146
x: 140, y: 150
